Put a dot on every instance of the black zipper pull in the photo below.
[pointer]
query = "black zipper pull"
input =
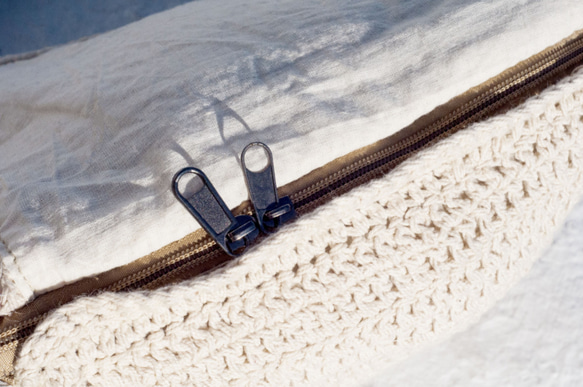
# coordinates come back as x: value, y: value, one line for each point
x: 232, y: 233
x: 271, y: 211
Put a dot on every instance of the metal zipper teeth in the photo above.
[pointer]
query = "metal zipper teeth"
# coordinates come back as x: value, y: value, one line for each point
x: 350, y: 176
x: 491, y: 100
x: 394, y: 154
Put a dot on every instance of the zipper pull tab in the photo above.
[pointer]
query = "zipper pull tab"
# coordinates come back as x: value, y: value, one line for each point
x: 201, y: 199
x: 271, y: 211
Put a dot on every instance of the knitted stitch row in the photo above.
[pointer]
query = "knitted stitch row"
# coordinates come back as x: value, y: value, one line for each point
x: 387, y: 268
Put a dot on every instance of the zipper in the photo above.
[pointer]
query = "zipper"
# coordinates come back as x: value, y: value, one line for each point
x: 271, y: 211
x: 235, y: 233
x: 228, y: 233
x: 232, y: 233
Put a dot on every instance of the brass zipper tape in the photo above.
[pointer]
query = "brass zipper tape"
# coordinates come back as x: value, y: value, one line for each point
x: 198, y: 253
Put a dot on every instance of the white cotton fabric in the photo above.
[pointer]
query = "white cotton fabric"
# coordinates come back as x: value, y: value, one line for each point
x: 356, y: 285
x: 92, y: 132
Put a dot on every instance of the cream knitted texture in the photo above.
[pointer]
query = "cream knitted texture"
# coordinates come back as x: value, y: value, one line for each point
x: 389, y: 267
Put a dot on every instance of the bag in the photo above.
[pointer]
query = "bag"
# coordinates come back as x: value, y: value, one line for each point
x: 402, y: 236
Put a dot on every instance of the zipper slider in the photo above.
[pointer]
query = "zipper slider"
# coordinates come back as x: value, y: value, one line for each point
x: 232, y: 233
x: 271, y: 211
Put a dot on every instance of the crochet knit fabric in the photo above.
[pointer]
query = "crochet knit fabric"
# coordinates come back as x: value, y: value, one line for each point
x: 387, y: 268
